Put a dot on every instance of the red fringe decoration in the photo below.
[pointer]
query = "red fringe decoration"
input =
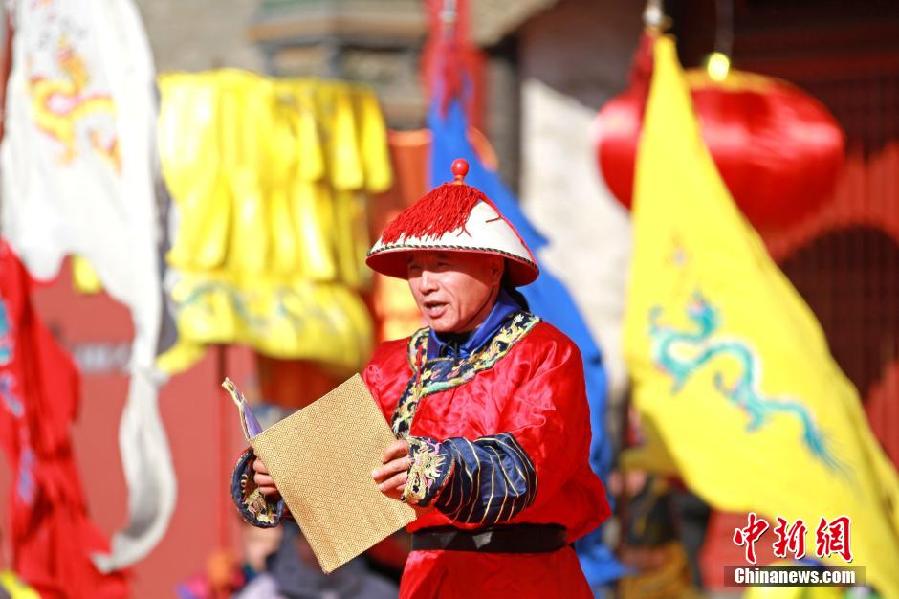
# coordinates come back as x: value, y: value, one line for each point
x: 442, y: 210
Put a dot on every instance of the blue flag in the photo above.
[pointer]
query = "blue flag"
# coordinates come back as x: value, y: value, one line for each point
x: 548, y: 299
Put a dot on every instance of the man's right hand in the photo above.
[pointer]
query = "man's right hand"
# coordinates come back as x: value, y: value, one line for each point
x: 264, y: 481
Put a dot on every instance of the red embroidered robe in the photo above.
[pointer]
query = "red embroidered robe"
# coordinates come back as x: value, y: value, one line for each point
x: 509, y: 431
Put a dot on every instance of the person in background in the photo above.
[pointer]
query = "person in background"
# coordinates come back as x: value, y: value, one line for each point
x: 292, y: 572
x: 488, y: 406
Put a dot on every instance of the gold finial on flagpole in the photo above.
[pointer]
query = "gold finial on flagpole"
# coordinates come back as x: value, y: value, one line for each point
x: 654, y: 18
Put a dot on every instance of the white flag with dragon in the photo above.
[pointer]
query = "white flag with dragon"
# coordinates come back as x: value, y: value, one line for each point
x: 78, y: 164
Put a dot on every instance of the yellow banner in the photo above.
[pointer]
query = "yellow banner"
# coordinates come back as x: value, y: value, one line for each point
x: 731, y: 367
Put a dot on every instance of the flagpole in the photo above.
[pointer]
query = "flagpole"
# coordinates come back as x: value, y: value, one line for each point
x: 5, y: 67
x: 222, y: 513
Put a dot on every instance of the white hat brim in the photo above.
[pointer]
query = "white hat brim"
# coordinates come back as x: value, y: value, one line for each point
x: 485, y: 232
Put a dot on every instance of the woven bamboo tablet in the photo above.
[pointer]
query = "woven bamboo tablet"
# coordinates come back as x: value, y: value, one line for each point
x: 321, y: 459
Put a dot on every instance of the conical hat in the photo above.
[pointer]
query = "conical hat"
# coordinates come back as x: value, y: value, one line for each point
x: 453, y: 217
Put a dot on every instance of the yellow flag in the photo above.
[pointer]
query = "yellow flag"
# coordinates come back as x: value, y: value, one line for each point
x: 731, y: 367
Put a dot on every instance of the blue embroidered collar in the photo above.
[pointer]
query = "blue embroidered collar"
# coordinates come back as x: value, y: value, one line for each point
x: 463, y: 345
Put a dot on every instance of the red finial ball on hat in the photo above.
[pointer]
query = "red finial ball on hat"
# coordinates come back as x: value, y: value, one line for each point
x: 459, y: 169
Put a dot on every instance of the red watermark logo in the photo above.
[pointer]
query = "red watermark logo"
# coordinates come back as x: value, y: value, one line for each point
x: 830, y: 538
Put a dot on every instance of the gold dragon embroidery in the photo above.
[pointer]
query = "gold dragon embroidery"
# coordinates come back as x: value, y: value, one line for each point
x: 425, y: 469
x: 60, y: 104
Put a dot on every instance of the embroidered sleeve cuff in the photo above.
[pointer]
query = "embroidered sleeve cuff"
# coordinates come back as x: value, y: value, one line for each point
x: 431, y: 468
x: 253, y: 506
x: 494, y: 479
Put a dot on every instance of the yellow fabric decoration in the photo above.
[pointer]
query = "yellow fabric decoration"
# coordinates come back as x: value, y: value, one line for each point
x: 269, y: 178
x: 730, y: 365
x: 85, y: 277
x: 15, y: 587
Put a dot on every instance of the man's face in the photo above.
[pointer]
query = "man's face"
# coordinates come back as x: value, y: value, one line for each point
x: 453, y: 290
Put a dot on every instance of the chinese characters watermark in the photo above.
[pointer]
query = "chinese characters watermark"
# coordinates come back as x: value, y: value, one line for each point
x: 831, y: 537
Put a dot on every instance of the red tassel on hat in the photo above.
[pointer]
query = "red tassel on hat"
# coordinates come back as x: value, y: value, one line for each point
x: 442, y: 210
x: 437, y: 221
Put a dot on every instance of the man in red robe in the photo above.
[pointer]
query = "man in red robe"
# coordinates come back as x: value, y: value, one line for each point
x: 489, y: 409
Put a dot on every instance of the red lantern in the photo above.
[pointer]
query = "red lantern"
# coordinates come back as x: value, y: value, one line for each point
x: 777, y: 149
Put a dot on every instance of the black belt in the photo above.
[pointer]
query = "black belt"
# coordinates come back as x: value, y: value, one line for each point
x: 510, y: 538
